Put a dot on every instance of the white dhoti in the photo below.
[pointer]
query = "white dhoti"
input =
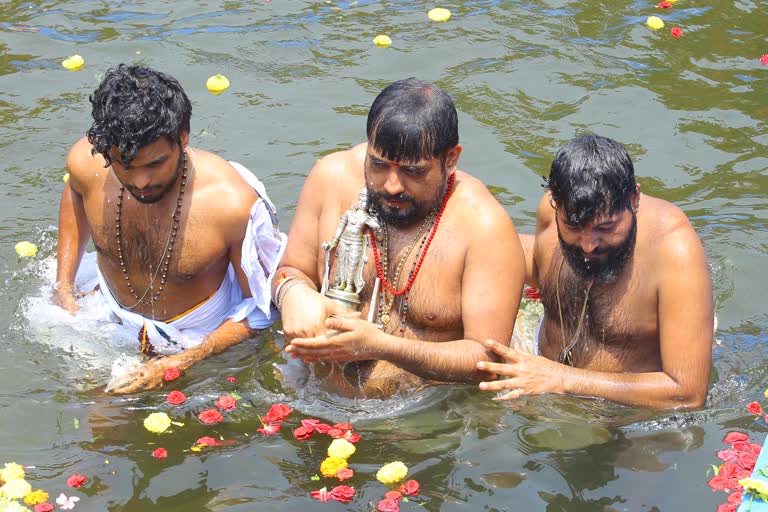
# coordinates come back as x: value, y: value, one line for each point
x: 262, y: 249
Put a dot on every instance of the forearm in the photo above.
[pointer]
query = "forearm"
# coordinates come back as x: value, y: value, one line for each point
x: 528, y: 242
x: 652, y: 389
x: 450, y: 361
x: 72, y: 240
x: 226, y: 335
x: 285, y: 271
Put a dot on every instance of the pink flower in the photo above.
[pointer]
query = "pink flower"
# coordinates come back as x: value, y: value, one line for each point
x: 160, y: 453
x: 76, y: 481
x: 726, y: 507
x: 210, y: 416
x: 343, y: 493
x: 322, y: 428
x: 735, y: 437
x: 310, y: 424
x: 754, y: 408
x: 321, y: 495
x: 393, y: 495
x: 176, y: 398
x: 410, y: 488
x: 345, y: 474
x: 269, y: 429
x: 226, y: 403
x: 302, y: 433
x: 170, y: 374
x: 206, y: 441
x: 388, y: 505
x: 735, y: 498
x: 664, y: 5
x: 231, y: 379
x: 676, y: 32
x: 764, y: 59
x: 44, y: 507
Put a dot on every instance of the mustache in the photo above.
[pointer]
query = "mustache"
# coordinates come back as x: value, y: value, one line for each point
x: 397, y: 197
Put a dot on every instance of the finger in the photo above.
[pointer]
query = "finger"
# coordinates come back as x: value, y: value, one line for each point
x: 497, y: 368
x: 317, y: 342
x: 334, y: 308
x: 502, y: 350
x: 499, y: 385
x: 338, y: 323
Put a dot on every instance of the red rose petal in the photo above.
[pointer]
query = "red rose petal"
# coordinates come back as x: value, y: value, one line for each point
x: 322, y: 428
x: 210, y: 416
x: 410, y: 488
x: 76, y: 481
x: 735, y: 498
x: 206, y: 441
x: 277, y: 412
x: 176, y: 398
x: 269, y: 428
x: 764, y: 59
x: 302, y: 433
x: 352, y: 437
x: 664, y: 5
x: 335, y: 433
x: 226, y: 403
x: 345, y: 474
x: 170, y: 374
x: 393, y: 495
x: 44, y: 507
x: 160, y: 453
x: 231, y: 379
x: 321, y: 495
x: 726, y: 507
x: 754, y: 408
x: 388, y: 505
x: 735, y: 437
x: 676, y: 32
x: 343, y: 493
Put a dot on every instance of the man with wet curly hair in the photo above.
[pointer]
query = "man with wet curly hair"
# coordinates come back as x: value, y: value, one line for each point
x: 185, y: 241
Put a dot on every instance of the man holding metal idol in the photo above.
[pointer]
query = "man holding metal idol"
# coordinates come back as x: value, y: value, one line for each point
x: 398, y: 265
x: 628, y: 310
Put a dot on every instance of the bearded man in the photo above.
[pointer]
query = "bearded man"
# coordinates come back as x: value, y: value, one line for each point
x: 628, y: 309
x: 447, y: 254
x: 185, y: 241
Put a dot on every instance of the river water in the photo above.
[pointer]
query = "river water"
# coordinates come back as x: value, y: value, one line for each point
x: 526, y: 76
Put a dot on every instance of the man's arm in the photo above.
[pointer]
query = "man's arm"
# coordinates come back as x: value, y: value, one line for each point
x: 527, y: 242
x: 686, y: 316
x: 73, y: 233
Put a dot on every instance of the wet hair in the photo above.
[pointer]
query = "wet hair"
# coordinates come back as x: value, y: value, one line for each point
x: 590, y: 176
x: 132, y: 107
x: 412, y: 120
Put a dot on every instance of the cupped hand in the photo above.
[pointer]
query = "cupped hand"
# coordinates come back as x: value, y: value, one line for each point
x: 305, y: 311
x: 520, y: 373
x: 347, y: 338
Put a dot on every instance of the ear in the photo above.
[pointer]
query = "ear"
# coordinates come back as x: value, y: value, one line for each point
x: 635, y: 199
x: 452, y: 157
x: 184, y: 138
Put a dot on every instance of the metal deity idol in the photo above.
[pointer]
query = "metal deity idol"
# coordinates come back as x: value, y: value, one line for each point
x: 351, y: 243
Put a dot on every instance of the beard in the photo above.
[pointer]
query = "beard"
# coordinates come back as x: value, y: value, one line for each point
x: 607, y: 270
x: 162, y: 190
x: 415, y: 212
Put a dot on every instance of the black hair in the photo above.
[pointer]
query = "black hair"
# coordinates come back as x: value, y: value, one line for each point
x: 412, y: 120
x: 133, y: 106
x: 590, y: 176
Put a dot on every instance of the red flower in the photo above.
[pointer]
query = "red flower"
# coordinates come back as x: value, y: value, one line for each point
x: 393, y: 495
x: 269, y: 429
x: 322, y: 428
x: 226, y: 403
x: 352, y: 437
x: 388, y: 505
x: 676, y: 32
x: 735, y: 498
x: 206, y: 441
x: 210, y: 416
x: 76, y: 481
x: 321, y: 495
x: 277, y: 412
x: 170, y: 374
x: 231, y: 379
x: 345, y: 474
x: 44, y: 507
x: 410, y: 488
x: 532, y: 293
x: 754, y: 408
x: 176, y: 398
x: 727, y: 455
x: 754, y: 448
x: 336, y: 433
x: 664, y: 5
x: 160, y: 453
x: 343, y: 493
x: 747, y: 460
x: 726, y: 507
x: 735, y: 437
x: 302, y: 433
x: 764, y: 59
x: 343, y: 426
x: 310, y: 424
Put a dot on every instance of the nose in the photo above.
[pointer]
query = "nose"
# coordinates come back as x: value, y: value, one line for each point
x: 393, y: 185
x: 590, y: 241
x: 141, y: 179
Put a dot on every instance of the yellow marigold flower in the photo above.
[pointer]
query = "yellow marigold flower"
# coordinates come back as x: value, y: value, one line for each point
x: 217, y: 84
x: 341, y: 448
x: 332, y: 465
x: 765, y: 393
x: 15, y: 489
x: 14, y: 506
x: 11, y: 471
x: 35, y: 497
x: 73, y: 63
x: 654, y: 22
x: 392, y: 473
x: 382, y: 41
x: 157, y: 422
x: 26, y: 249
x: 439, y: 14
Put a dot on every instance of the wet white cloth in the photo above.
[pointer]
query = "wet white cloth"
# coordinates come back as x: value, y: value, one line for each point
x: 262, y: 249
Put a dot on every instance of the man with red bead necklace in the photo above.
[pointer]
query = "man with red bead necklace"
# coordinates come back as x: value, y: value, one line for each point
x: 447, y: 255
x: 184, y: 273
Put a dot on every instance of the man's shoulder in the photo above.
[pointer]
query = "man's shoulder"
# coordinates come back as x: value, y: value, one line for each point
x: 344, y: 164
x: 667, y: 229
x: 479, y: 204
x: 84, y: 167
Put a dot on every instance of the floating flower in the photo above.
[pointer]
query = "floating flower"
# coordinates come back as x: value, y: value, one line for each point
x: 345, y: 474
x: 231, y: 379
x: 16, y: 489
x: 350, y: 436
x: 332, y: 465
x: 410, y: 488
x: 170, y: 374
x: 321, y: 495
x: 388, y: 505
x: 439, y: 14
x: 727, y: 507
x: 735, y: 437
x: 210, y: 416
x: 764, y: 61
x: 65, y: 179
x: 76, y: 481
x: 226, y: 403
x: 157, y: 422
x: 341, y: 448
x: 531, y: 293
x: 664, y: 5
x: 269, y: 428
x: 44, y: 507
x: 754, y: 408
x: 11, y: 471
x: 73, y: 63
x: 654, y: 22
x: 26, y: 249
x: 176, y: 398
x: 393, y: 495
x: 36, y: 497
x: 206, y: 441
x: 160, y: 453
x: 310, y: 424
x: 302, y: 433
x: 343, y: 493
x: 277, y: 412
x: 217, y: 84
x: 382, y: 41
x: 66, y: 503
x: 392, y: 473
x: 676, y: 32
x: 322, y: 428
x: 14, y: 506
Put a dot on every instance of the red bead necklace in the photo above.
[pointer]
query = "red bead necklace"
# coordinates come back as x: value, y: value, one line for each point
x: 432, y: 232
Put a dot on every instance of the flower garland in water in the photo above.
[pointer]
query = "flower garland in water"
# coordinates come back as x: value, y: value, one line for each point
x: 14, y: 488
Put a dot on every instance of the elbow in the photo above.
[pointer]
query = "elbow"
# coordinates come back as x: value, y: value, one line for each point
x: 686, y: 400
